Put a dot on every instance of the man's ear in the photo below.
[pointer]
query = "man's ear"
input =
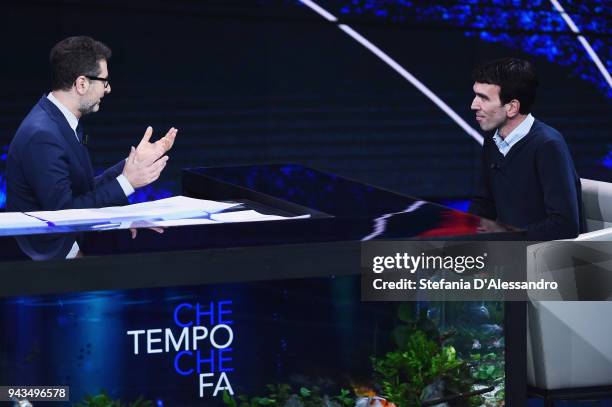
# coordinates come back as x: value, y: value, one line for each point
x: 513, y: 108
x: 81, y: 85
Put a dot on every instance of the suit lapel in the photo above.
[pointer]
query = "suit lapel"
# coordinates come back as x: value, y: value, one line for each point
x: 88, y: 167
x: 78, y: 149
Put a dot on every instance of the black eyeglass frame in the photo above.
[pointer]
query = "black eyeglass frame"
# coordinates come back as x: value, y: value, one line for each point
x: 96, y: 78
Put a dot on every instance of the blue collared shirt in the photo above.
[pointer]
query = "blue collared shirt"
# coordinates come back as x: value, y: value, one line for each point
x: 504, y: 145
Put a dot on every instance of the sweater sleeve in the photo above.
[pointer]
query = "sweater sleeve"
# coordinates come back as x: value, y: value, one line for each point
x: 555, y: 171
x: 483, y: 204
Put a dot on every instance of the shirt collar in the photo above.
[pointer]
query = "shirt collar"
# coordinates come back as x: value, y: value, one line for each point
x: 517, y: 134
x: 70, y: 117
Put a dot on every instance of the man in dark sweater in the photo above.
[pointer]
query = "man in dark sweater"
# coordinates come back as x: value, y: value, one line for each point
x: 528, y: 177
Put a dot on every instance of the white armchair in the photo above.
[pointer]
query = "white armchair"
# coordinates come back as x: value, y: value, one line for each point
x: 597, y: 201
x: 569, y: 343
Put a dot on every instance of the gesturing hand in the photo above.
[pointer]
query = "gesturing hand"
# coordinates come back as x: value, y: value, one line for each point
x: 148, y: 152
x: 140, y: 174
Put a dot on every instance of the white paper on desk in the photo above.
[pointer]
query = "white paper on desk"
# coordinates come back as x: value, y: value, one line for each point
x: 176, y: 204
x: 72, y: 216
x: 250, y: 216
x: 11, y: 220
x: 176, y: 207
x: 182, y: 222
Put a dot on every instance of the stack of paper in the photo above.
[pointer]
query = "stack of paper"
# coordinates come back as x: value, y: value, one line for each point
x: 176, y: 207
x: 250, y: 216
x: 71, y: 216
x: 228, y: 217
x: 183, y: 222
x: 175, y: 211
x: 13, y: 220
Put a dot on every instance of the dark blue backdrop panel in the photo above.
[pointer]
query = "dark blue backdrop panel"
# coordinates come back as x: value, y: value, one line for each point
x: 265, y: 81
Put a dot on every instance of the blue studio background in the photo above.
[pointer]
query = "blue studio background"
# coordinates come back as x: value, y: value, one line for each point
x: 273, y: 81
x: 257, y: 81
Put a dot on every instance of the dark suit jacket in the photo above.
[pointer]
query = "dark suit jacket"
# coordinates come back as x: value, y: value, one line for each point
x: 47, y: 169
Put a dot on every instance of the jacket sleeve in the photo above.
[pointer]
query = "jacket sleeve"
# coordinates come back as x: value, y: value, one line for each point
x: 483, y: 203
x: 556, y: 174
x: 110, y: 174
x: 47, y: 170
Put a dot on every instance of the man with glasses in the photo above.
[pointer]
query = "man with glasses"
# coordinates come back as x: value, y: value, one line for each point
x: 48, y: 165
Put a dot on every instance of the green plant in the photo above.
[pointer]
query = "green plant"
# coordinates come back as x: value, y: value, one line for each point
x: 104, y: 400
x: 488, y: 367
x: 279, y: 394
x: 424, y: 356
x: 345, y: 398
x: 420, y: 361
x: 484, y: 352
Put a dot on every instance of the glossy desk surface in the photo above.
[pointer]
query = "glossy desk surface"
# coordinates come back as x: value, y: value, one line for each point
x: 364, y: 212
x: 340, y: 210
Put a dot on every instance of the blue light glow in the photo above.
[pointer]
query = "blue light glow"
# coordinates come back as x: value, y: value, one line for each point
x: 534, y: 27
x: 151, y: 192
x: 607, y: 160
x: 3, y: 177
x: 158, y: 190
x: 458, y: 204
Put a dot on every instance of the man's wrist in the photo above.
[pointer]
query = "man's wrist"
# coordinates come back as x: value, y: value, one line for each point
x: 127, y: 188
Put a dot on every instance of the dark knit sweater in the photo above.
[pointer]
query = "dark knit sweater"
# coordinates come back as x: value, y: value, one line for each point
x: 535, y: 186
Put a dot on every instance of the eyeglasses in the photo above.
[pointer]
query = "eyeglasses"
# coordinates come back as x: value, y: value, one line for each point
x: 95, y: 78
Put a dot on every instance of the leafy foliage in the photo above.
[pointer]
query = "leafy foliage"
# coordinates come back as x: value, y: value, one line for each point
x: 488, y: 367
x: 421, y: 359
x: 488, y: 361
x: 104, y: 400
x: 404, y: 374
x: 281, y: 394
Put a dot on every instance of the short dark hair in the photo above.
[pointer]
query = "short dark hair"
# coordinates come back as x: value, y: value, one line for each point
x: 73, y: 57
x: 516, y: 78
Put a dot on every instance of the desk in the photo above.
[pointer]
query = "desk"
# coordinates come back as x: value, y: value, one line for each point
x: 311, y: 253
